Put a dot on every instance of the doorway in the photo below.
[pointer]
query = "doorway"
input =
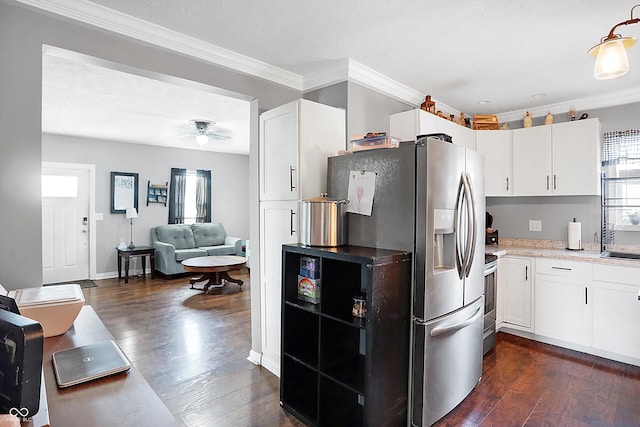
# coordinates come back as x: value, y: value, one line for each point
x: 68, y: 223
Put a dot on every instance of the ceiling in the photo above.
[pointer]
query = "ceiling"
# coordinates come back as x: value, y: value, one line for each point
x: 477, y: 56
x: 94, y: 100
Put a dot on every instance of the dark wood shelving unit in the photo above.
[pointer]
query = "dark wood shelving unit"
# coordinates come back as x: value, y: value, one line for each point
x: 337, y: 369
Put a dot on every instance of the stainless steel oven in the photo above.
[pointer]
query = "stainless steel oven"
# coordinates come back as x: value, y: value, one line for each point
x: 490, y: 289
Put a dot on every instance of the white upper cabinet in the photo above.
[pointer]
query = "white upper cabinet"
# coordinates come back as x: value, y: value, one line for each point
x: 409, y: 124
x: 532, y: 161
x: 576, y: 158
x: 295, y: 141
x: 561, y: 159
x: 497, y: 149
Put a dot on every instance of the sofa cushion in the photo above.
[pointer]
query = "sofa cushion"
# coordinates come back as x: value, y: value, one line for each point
x: 208, y: 234
x: 179, y: 235
x: 220, y: 249
x: 182, y: 254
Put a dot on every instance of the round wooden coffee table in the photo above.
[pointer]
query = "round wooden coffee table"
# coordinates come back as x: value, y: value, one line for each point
x: 214, y: 270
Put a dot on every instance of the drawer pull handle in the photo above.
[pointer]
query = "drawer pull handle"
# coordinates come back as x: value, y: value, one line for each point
x: 561, y: 268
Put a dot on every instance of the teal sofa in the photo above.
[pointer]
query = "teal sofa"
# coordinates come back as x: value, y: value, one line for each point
x: 176, y: 242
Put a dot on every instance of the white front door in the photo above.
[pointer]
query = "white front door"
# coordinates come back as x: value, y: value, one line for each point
x: 65, y: 224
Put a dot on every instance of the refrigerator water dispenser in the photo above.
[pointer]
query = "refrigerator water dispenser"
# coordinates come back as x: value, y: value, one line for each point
x: 443, y: 239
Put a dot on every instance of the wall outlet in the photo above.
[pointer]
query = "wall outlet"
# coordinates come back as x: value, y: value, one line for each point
x: 535, y: 225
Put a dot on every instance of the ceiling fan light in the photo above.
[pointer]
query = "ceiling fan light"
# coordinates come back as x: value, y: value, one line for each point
x: 612, y: 60
x: 202, y: 139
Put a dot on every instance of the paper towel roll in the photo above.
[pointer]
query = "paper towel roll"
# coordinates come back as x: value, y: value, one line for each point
x: 575, y: 236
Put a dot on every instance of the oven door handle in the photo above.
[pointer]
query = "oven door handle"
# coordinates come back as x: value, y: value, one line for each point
x: 490, y: 270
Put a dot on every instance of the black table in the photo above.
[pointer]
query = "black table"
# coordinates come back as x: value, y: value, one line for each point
x: 141, y: 251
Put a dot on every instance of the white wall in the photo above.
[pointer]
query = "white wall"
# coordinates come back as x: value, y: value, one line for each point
x: 230, y: 187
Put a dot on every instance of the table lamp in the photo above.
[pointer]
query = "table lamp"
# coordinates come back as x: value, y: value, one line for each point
x: 131, y: 213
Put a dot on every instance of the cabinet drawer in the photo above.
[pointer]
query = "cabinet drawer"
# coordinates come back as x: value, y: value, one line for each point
x: 616, y: 274
x: 564, y: 268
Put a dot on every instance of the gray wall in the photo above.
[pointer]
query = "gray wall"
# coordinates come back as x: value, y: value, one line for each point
x: 369, y: 110
x: 22, y: 35
x: 230, y: 187
x: 511, y: 216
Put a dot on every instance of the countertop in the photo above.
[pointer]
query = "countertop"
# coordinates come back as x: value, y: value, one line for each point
x: 556, y: 250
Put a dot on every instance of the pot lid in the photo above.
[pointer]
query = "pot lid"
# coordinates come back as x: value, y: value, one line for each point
x: 324, y: 199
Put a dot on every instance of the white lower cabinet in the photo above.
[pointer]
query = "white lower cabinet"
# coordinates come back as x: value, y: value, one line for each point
x: 278, y: 225
x: 616, y: 310
x: 562, y: 301
x: 591, y: 307
x: 514, y: 280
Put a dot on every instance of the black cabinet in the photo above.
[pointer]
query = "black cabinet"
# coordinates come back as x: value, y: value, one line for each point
x: 338, y: 369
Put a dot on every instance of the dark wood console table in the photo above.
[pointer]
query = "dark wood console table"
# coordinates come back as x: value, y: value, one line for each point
x: 124, y: 399
x: 141, y: 251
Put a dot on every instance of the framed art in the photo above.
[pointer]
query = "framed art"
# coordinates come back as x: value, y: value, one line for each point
x: 124, y: 191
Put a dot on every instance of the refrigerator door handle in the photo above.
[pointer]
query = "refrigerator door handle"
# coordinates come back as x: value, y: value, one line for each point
x: 460, y: 257
x: 452, y: 328
x: 473, y: 230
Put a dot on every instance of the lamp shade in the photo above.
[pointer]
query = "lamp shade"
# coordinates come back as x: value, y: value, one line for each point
x: 612, y: 60
x: 131, y: 213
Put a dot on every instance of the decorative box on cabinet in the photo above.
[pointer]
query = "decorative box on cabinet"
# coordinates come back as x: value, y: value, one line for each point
x: 338, y: 369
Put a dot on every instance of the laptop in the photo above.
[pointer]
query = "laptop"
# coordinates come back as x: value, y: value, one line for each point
x: 89, y: 362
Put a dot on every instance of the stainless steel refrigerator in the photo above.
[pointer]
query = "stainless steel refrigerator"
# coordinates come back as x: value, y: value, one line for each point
x: 429, y: 199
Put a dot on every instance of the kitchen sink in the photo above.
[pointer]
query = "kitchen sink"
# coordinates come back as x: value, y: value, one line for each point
x: 624, y: 255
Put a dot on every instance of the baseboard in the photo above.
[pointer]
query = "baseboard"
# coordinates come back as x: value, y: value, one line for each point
x: 270, y: 365
x: 255, y: 357
x: 114, y: 274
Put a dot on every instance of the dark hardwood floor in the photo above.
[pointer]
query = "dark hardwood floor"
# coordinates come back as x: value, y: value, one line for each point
x: 192, y: 349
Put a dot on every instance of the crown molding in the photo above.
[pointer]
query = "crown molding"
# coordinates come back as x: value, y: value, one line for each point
x: 370, y: 78
x: 326, y: 76
x: 120, y: 23
x: 628, y: 96
x: 344, y: 70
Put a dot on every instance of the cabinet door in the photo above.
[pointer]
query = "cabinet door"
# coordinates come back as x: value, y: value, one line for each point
x: 461, y: 135
x: 279, y: 153
x: 278, y: 225
x: 576, y: 158
x: 515, y: 274
x: 497, y: 150
x: 532, y: 161
x: 562, y: 309
x: 616, y: 316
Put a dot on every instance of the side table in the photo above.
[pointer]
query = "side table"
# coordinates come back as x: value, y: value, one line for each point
x: 141, y: 251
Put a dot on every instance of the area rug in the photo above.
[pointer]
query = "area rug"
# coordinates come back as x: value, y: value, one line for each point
x: 83, y: 283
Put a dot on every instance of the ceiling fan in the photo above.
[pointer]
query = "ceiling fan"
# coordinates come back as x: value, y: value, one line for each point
x: 203, y: 131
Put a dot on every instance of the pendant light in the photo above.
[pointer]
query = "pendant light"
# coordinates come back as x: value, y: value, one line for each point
x: 610, y: 53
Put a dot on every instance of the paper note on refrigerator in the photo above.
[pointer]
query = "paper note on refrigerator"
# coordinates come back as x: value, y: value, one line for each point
x: 362, y: 186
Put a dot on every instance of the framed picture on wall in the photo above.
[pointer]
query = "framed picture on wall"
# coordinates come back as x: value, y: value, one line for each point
x: 124, y: 191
